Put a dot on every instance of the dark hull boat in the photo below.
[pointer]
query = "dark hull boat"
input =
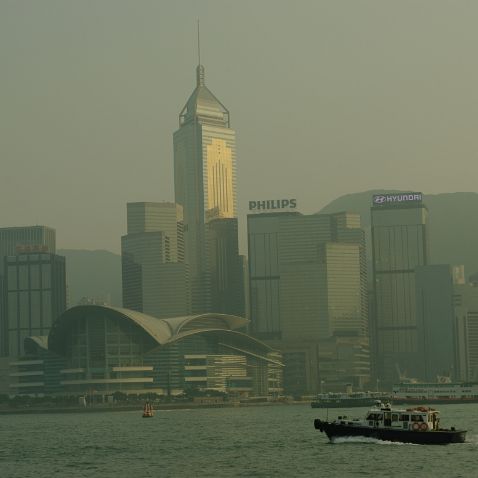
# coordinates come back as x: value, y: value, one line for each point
x: 434, y: 437
x: 420, y: 425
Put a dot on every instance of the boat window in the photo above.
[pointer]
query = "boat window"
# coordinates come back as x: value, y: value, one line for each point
x: 394, y: 417
x: 417, y: 418
x: 404, y: 418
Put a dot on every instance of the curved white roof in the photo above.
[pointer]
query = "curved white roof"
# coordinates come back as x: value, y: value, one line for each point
x: 162, y: 331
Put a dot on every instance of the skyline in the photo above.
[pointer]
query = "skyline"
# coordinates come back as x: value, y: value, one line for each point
x: 93, y: 96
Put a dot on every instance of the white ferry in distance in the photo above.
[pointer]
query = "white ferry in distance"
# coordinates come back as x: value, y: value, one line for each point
x: 434, y: 393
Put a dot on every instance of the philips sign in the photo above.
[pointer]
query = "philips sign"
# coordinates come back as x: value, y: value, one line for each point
x: 272, y: 204
x: 387, y: 199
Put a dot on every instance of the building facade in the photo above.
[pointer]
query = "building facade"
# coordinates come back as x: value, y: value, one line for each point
x: 399, y: 246
x: 13, y: 240
x: 308, y: 291
x: 155, y: 278
x: 102, y: 350
x: 35, y: 293
x: 204, y: 181
x: 226, y: 267
x: 435, y: 322
x: 37, y: 237
x: 465, y: 301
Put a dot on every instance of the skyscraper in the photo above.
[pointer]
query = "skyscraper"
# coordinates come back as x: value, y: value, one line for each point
x: 435, y: 322
x: 204, y: 180
x: 13, y: 240
x: 308, y: 296
x: 154, y: 276
x: 35, y: 286
x: 399, y: 245
x: 226, y: 266
x: 466, y: 331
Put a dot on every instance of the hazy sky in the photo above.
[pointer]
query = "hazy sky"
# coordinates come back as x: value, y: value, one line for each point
x: 326, y: 97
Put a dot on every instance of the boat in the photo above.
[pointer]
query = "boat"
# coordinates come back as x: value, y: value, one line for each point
x: 148, y: 411
x: 348, y: 400
x: 434, y: 393
x: 420, y: 425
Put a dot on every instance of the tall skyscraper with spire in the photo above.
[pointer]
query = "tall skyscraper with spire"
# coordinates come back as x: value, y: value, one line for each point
x: 205, y: 185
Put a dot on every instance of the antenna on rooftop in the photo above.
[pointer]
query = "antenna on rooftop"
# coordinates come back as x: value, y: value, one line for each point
x: 199, y: 46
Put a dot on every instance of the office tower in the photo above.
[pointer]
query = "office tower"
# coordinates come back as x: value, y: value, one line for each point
x: 154, y: 276
x: 435, y: 322
x: 204, y: 180
x: 308, y: 296
x: 158, y: 216
x: 466, y: 331
x: 35, y: 287
x: 226, y: 267
x: 13, y: 240
x: 399, y: 245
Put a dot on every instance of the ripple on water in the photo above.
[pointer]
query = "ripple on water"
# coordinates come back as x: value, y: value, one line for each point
x: 241, y: 442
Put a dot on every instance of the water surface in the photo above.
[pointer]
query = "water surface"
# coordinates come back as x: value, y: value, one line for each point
x: 258, y: 441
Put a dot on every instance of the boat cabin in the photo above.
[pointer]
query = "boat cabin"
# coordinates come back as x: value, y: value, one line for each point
x: 384, y: 416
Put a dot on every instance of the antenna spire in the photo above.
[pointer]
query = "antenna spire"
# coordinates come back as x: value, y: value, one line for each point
x: 199, y: 68
x: 199, y: 46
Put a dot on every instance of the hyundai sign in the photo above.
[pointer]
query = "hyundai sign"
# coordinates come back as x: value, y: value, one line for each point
x: 395, y: 199
x: 269, y: 204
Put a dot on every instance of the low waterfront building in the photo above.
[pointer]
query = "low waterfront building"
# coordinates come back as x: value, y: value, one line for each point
x: 101, y: 350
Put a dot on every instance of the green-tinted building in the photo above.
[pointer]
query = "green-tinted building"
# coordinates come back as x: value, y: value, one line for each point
x: 35, y: 296
x: 155, y: 278
x: 399, y: 246
x: 308, y: 290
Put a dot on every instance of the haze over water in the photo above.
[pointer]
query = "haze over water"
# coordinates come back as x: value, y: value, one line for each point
x: 238, y: 442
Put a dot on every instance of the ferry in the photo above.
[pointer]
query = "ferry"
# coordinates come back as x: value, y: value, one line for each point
x: 434, y: 393
x: 419, y: 425
x: 348, y: 400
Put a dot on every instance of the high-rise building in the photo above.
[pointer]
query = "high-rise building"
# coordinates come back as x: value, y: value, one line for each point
x: 435, y: 322
x: 35, y: 288
x: 162, y: 216
x: 226, y: 267
x: 12, y: 241
x: 399, y: 246
x: 154, y: 276
x: 466, y: 331
x: 308, y: 291
x: 204, y: 180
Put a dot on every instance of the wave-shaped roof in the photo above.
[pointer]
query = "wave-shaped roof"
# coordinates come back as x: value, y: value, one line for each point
x: 162, y: 331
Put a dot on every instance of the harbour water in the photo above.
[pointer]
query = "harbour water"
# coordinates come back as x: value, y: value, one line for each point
x: 274, y: 441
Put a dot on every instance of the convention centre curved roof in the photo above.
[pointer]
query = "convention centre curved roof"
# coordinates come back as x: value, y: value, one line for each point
x: 161, y: 331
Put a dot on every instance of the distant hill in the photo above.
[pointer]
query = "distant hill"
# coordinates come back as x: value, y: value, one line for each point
x: 453, y: 224
x: 94, y: 274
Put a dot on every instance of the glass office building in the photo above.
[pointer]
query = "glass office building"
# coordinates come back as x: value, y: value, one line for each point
x: 154, y: 276
x: 308, y: 288
x: 204, y: 180
x: 399, y: 246
x: 35, y: 288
